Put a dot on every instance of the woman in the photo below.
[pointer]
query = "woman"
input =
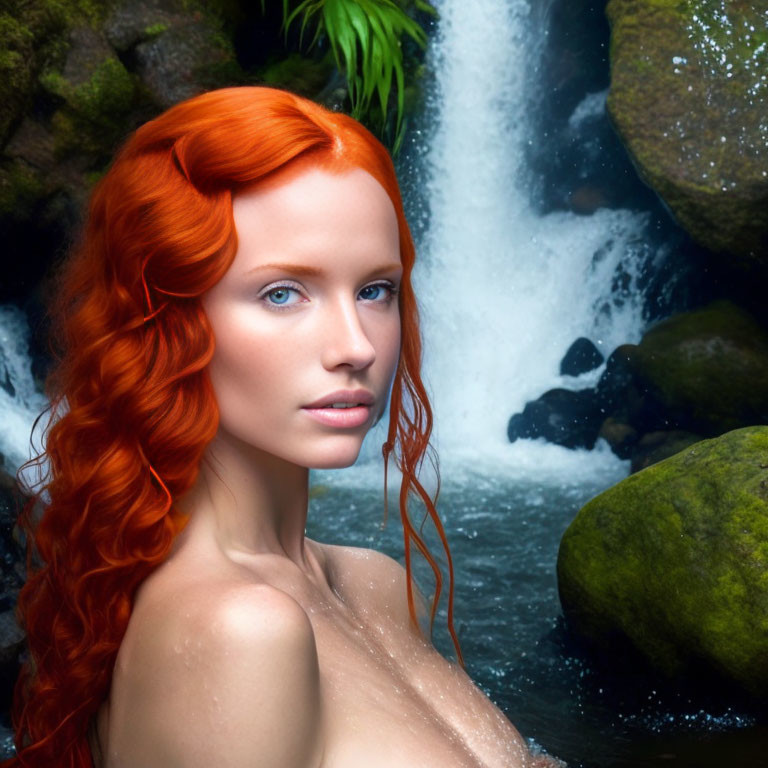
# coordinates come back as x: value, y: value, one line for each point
x: 236, y: 312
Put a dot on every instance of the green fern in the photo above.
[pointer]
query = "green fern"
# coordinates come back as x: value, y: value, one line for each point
x: 365, y: 38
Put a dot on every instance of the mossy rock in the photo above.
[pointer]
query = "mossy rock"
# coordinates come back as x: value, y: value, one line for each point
x: 675, y: 559
x: 708, y: 369
x: 687, y: 100
x: 97, y: 93
x: 20, y: 187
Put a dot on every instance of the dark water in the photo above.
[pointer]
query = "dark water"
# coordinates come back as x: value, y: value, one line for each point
x: 591, y: 711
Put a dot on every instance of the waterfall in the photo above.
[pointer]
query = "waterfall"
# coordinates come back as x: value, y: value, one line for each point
x: 20, y: 403
x: 503, y: 290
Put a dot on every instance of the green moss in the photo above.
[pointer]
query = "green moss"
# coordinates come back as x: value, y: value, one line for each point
x: 153, y: 30
x: 109, y: 91
x: 92, y: 117
x: 642, y: 65
x: 35, y: 35
x: 14, y: 33
x: 675, y: 558
x: 20, y: 188
x: 71, y: 12
x: 15, y: 69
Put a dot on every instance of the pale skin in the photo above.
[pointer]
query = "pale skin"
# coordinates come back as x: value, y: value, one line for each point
x: 253, y: 646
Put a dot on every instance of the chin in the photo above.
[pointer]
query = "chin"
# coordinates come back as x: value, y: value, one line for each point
x: 330, y: 463
x: 338, y: 459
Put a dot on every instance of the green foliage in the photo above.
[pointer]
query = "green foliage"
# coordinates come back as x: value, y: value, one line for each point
x: 365, y: 37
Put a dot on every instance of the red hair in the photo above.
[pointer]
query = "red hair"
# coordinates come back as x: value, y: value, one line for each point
x: 132, y: 407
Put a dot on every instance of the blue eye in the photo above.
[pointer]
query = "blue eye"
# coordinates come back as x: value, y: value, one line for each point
x: 279, y: 296
x: 374, y: 292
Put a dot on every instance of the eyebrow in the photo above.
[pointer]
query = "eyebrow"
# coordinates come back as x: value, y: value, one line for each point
x: 307, y: 271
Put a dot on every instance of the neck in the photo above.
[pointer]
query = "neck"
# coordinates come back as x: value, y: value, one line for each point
x: 249, y: 502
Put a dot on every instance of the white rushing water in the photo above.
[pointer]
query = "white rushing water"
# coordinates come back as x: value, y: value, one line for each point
x: 503, y: 290
x: 20, y: 403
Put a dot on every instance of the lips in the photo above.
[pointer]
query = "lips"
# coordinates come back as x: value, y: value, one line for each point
x: 347, y: 396
x: 359, y: 404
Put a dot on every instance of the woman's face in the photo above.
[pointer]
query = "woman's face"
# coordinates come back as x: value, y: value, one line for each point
x: 306, y: 315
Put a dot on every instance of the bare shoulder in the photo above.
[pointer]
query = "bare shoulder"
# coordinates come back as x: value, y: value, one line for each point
x: 377, y: 579
x: 225, y: 675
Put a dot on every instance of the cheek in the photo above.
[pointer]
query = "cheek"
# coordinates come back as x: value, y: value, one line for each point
x: 248, y: 368
x: 389, y: 347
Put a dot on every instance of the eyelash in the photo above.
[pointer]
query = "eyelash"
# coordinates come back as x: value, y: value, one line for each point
x: 392, y: 292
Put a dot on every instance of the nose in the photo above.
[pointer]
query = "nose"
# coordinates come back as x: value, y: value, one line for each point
x: 344, y: 340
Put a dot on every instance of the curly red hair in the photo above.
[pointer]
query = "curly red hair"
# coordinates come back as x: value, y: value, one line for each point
x: 132, y: 408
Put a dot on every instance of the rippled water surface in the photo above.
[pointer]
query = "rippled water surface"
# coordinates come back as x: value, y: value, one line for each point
x: 504, y: 537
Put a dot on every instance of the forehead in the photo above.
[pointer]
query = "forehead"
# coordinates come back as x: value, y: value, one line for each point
x: 302, y: 189
x: 314, y: 211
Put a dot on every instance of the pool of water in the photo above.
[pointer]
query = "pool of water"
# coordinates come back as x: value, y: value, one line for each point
x: 590, y: 711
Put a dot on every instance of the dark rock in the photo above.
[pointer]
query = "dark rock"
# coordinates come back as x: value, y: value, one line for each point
x: 674, y: 558
x: 708, y: 369
x: 131, y: 23
x: 33, y: 143
x: 582, y: 356
x: 622, y: 394
x: 621, y: 437
x: 185, y: 60
x: 11, y: 644
x: 561, y: 416
x: 617, y: 378
x: 11, y: 641
x: 12, y: 555
x: 586, y: 199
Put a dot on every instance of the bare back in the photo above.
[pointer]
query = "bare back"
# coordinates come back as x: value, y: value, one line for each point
x: 385, y: 695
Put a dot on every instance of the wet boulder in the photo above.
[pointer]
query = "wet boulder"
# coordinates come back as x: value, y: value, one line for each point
x: 674, y: 559
x: 708, y: 369
x: 704, y: 372
x: 561, y: 416
x: 582, y: 356
x: 631, y: 406
x: 688, y: 100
